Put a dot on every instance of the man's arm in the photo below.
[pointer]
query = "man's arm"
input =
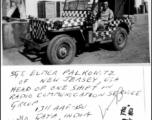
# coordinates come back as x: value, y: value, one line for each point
x: 111, y: 16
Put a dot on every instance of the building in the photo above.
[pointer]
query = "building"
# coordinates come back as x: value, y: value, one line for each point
x: 32, y: 6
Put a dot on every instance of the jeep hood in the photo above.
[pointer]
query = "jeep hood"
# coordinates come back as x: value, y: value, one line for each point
x: 66, y: 22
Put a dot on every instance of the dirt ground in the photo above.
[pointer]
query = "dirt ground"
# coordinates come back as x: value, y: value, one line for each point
x: 136, y: 51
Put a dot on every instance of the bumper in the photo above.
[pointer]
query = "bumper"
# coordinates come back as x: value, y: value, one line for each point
x: 33, y: 44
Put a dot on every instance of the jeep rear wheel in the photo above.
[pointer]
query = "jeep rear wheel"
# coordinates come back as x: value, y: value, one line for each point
x: 61, y: 50
x: 120, y: 39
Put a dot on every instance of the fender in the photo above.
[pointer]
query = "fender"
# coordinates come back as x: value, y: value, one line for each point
x: 75, y: 33
x: 125, y: 26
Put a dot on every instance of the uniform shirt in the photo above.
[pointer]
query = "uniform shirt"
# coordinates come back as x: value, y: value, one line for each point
x: 106, y: 15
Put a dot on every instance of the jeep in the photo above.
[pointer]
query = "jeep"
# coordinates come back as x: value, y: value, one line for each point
x: 61, y: 37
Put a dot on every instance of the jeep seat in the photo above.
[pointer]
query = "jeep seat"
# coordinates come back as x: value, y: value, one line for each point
x: 101, y: 28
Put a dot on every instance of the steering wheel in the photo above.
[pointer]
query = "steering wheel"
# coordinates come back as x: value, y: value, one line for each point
x: 95, y: 10
x: 93, y: 14
x: 88, y: 8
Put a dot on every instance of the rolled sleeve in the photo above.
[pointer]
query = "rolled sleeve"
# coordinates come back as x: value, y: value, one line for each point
x: 111, y: 15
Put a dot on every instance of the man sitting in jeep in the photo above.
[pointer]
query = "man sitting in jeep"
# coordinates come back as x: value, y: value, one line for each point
x: 104, y: 16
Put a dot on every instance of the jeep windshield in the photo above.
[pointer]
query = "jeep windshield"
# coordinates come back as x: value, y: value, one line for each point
x: 78, y: 4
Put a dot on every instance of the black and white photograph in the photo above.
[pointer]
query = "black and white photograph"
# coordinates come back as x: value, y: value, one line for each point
x: 76, y: 60
x: 56, y: 32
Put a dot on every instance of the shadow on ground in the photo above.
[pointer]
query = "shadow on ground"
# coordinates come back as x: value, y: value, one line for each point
x: 35, y: 58
x: 96, y: 47
x: 42, y: 57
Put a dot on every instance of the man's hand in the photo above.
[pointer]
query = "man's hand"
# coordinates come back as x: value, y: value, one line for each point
x: 106, y: 23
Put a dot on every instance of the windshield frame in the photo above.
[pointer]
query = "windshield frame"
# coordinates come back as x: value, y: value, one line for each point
x: 78, y: 5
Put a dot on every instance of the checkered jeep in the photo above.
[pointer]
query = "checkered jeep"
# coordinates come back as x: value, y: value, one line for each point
x: 62, y: 37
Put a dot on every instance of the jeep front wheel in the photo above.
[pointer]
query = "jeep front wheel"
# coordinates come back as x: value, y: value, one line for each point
x: 120, y: 39
x: 61, y: 50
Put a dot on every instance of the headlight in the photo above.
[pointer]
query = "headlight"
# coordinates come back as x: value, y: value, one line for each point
x: 58, y: 24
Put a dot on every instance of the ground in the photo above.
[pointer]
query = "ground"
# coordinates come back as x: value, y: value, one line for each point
x: 136, y: 51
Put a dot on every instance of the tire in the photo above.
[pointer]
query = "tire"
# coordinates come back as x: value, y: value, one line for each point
x: 61, y: 50
x: 120, y: 39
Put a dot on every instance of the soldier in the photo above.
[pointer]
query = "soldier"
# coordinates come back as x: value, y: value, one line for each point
x: 106, y: 15
x: 16, y: 4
